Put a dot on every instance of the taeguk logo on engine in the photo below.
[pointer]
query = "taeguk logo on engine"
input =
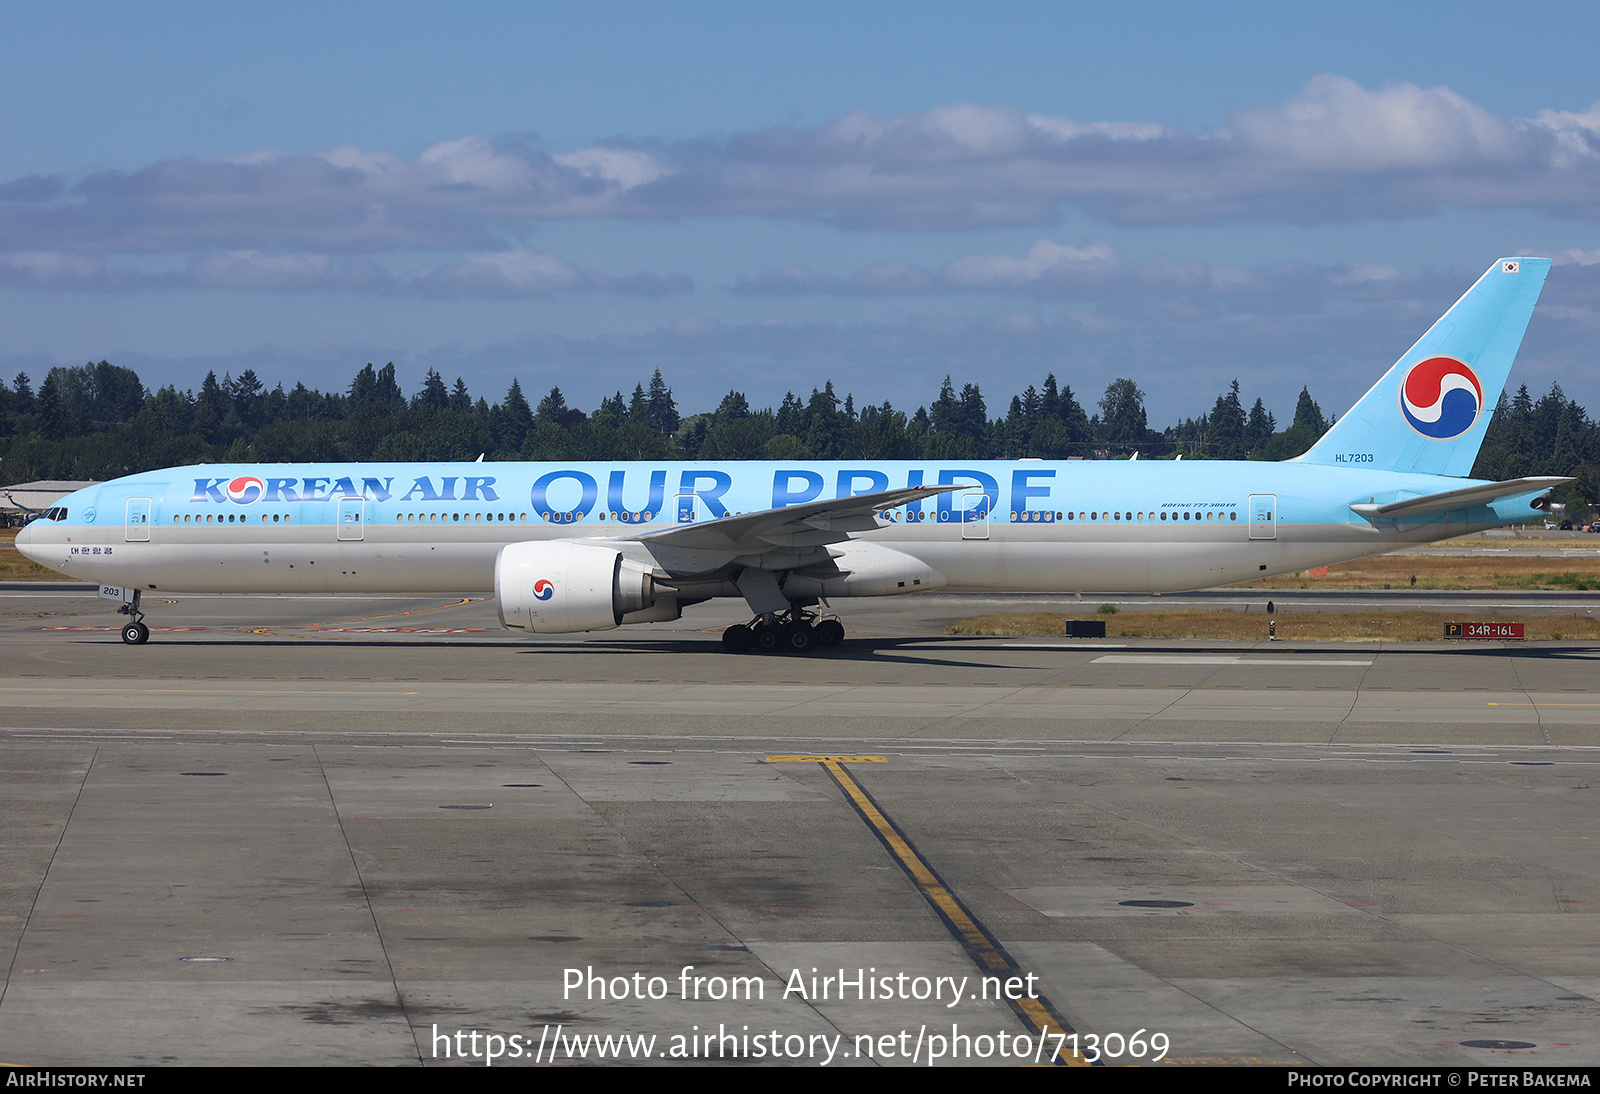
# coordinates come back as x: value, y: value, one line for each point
x: 246, y: 489
x: 543, y: 590
x: 1441, y: 398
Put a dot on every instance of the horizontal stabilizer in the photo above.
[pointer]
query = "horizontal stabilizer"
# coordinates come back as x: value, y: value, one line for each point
x: 1458, y: 499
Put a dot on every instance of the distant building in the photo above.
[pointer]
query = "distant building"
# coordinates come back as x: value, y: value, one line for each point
x: 16, y: 501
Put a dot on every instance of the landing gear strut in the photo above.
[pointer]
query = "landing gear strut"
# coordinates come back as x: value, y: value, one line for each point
x: 134, y: 632
x: 793, y: 631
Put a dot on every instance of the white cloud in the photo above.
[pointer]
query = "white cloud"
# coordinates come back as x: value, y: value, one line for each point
x: 51, y: 269
x: 477, y: 163
x: 892, y: 278
x: 1113, y: 289
x: 1577, y: 136
x: 789, y: 281
x: 695, y: 327
x: 519, y: 272
x: 1046, y: 260
x: 260, y: 270
x: 529, y: 273
x: 514, y: 273
x: 1333, y: 152
x: 1363, y: 272
x: 625, y: 167
x: 1065, y: 129
x: 1336, y: 124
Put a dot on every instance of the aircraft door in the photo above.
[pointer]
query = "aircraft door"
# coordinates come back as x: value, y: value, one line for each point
x: 972, y: 509
x: 1263, y: 516
x: 137, y: 528
x: 690, y: 509
x: 352, y: 518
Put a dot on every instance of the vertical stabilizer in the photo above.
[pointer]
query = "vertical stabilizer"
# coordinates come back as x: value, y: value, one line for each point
x: 1430, y: 411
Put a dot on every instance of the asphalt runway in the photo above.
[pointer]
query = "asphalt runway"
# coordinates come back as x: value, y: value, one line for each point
x: 319, y: 830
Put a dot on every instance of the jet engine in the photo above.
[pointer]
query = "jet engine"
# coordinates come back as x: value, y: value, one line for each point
x: 561, y: 586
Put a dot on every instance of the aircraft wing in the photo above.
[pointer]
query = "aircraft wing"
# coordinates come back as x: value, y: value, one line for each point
x: 1457, y: 499
x: 808, y: 524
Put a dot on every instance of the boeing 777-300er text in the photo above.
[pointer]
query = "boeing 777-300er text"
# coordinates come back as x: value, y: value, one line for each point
x: 590, y: 546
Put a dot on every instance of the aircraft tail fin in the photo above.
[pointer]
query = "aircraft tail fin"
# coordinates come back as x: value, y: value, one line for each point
x: 1430, y: 411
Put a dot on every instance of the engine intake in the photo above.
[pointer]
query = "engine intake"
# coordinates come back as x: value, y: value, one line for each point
x: 561, y: 586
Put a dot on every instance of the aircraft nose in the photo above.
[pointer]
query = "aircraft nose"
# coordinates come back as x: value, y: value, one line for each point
x: 27, y: 542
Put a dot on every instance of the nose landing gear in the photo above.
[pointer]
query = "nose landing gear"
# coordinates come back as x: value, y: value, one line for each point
x: 134, y: 632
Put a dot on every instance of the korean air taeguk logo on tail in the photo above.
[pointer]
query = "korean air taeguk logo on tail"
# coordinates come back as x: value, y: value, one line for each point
x: 1441, y: 397
x: 245, y: 489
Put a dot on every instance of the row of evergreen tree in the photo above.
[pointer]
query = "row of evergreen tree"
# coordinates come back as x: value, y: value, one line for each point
x: 99, y: 422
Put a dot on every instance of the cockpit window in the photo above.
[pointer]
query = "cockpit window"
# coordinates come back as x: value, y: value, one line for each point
x: 58, y: 512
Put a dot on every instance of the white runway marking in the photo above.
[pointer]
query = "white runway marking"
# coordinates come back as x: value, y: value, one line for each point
x: 1211, y: 659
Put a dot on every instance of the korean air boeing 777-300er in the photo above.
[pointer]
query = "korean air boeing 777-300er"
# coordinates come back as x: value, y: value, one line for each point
x: 569, y: 547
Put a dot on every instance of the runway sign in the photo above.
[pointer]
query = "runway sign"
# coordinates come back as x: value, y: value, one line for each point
x: 1483, y: 630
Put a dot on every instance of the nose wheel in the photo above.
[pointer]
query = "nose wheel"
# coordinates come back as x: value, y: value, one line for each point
x: 134, y: 632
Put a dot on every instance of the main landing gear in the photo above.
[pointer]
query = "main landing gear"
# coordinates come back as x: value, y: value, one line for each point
x: 794, y: 631
x: 134, y: 632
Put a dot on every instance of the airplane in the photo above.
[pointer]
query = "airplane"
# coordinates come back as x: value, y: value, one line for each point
x: 586, y: 546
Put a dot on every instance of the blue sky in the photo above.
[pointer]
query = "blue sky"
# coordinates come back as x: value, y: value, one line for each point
x: 766, y: 199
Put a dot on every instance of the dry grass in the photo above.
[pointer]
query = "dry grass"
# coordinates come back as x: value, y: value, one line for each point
x: 1252, y: 626
x: 1446, y: 572
x: 13, y: 567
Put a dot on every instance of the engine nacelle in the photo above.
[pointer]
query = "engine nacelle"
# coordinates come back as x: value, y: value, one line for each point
x: 561, y: 586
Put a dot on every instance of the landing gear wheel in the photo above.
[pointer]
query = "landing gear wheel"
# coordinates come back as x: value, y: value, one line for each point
x: 799, y: 638
x: 769, y: 639
x: 737, y: 638
x: 135, y: 634
x: 830, y: 632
